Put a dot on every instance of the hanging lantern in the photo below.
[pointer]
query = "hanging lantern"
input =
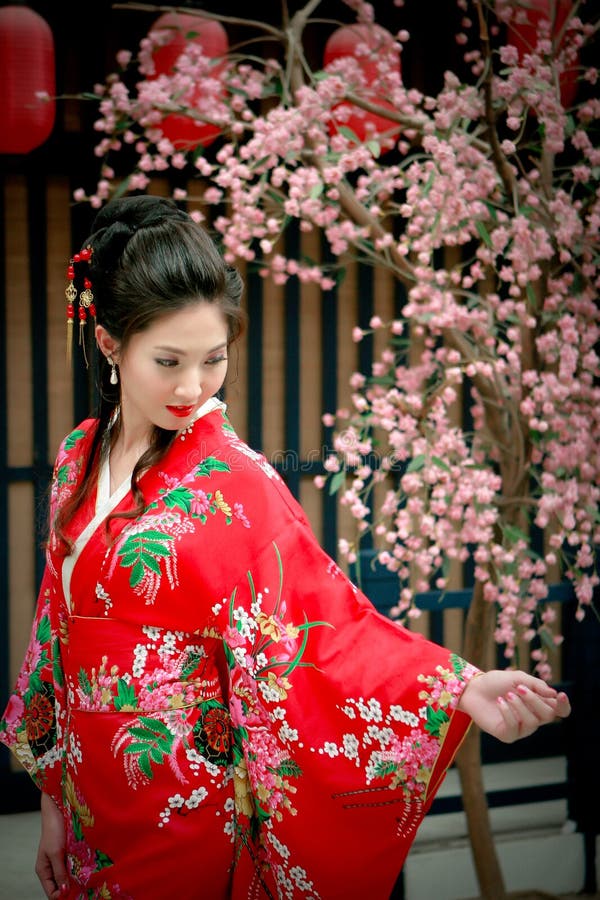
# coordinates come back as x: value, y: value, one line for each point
x: 524, y: 36
x: 26, y: 69
x: 344, y: 42
x: 181, y: 29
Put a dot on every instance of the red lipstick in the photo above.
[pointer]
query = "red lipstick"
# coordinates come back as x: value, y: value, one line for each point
x: 181, y: 411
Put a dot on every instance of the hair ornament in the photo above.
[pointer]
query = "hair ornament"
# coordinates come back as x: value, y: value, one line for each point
x: 86, y: 301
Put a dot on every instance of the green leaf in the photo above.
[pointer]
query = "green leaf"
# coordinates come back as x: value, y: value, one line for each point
x: 457, y: 663
x: 77, y: 827
x: 435, y: 719
x: 165, y: 744
x: 351, y: 135
x: 129, y: 559
x: 416, y: 463
x: 125, y: 695
x: 57, y: 671
x: 149, y: 562
x: 178, y: 498
x: 492, y: 211
x: 136, y: 747
x: 337, y: 481
x: 229, y: 657
x: 514, y: 534
x: 144, y: 764
x: 72, y: 439
x: 84, y: 682
x: 102, y: 860
x: 156, y: 549
x: 137, y: 574
x: 289, y: 767
x: 156, y: 755
x: 484, y: 234
x: 143, y: 733
x: 546, y: 639
x: 43, y: 632
x: 437, y: 461
x: 384, y: 768
x: 191, y: 663
x: 531, y: 295
x: 212, y: 464
x: 62, y: 474
x: 156, y: 726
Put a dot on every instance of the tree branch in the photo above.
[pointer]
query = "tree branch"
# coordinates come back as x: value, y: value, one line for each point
x: 202, y: 14
x: 500, y: 161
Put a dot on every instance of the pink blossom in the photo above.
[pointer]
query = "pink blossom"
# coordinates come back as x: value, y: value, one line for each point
x: 512, y: 329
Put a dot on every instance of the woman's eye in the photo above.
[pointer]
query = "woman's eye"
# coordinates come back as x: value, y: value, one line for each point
x: 216, y: 359
x: 167, y: 363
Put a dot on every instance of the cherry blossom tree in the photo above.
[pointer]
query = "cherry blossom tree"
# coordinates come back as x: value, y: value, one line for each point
x: 484, y: 203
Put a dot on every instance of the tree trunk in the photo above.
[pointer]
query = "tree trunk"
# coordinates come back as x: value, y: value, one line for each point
x: 478, y: 641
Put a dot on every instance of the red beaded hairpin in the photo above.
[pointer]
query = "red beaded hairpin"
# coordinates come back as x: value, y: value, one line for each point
x: 86, y: 301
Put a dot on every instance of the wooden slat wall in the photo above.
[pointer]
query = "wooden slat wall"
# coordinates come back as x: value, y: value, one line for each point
x: 62, y: 405
x: 264, y: 362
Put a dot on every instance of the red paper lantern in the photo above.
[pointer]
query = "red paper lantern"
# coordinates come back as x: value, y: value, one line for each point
x: 343, y: 43
x: 524, y: 36
x: 183, y: 29
x: 26, y: 68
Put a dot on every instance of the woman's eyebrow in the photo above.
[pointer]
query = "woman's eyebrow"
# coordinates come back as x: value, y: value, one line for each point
x: 164, y: 348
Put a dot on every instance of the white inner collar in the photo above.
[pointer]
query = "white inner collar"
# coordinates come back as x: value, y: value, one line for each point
x: 107, y: 502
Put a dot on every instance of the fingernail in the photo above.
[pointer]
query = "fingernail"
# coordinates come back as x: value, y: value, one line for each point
x: 501, y: 701
x: 64, y: 888
x: 522, y: 689
x: 511, y: 695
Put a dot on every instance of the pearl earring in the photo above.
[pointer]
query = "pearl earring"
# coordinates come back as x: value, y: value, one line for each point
x: 114, y: 377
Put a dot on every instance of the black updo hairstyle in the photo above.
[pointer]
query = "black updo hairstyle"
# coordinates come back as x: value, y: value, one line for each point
x: 149, y: 259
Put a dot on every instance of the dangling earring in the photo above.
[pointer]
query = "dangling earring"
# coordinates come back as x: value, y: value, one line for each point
x: 114, y: 377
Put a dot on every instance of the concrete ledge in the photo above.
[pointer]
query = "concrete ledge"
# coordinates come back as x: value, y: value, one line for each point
x: 534, y: 860
x: 537, y: 849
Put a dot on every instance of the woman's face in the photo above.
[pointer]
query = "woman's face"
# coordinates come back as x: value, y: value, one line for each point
x: 167, y: 371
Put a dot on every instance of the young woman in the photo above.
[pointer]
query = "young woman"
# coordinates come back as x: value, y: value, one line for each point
x: 209, y: 706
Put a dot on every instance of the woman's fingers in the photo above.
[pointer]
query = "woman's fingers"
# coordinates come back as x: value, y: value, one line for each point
x: 510, y: 732
x: 524, y: 710
x: 512, y: 704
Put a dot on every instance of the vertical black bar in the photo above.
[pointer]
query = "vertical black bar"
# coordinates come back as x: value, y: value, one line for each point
x: 468, y: 568
x: 399, y: 298
x: 81, y: 391
x: 255, y: 359
x: 329, y: 399
x: 365, y: 314
x: 4, y: 560
x: 436, y: 626
x: 36, y: 226
x: 292, y: 368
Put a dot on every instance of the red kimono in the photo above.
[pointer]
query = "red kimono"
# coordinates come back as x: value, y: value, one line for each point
x: 218, y: 711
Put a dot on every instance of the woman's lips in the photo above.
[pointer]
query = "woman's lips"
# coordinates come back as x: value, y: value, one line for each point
x: 181, y: 411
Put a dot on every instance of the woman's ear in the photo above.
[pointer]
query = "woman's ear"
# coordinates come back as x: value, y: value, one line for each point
x: 107, y: 344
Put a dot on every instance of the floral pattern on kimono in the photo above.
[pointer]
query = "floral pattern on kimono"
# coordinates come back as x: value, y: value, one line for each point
x: 207, y: 691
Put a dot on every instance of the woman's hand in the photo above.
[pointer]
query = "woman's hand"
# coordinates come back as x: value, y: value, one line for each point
x: 50, y: 865
x: 510, y: 704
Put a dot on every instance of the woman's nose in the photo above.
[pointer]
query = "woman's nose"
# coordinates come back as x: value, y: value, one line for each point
x: 189, y: 387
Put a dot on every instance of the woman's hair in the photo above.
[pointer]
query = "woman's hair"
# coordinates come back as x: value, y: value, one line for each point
x: 149, y: 259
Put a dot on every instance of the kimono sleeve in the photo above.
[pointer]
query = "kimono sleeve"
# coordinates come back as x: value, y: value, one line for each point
x: 30, y: 725
x: 343, y: 720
